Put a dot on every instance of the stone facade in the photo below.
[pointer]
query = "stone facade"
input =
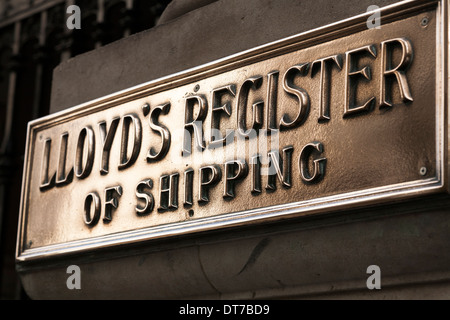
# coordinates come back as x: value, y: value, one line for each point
x: 34, y: 39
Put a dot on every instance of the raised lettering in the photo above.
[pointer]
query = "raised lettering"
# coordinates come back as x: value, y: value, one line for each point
x: 209, y: 176
x: 351, y: 72
x: 399, y: 72
x: 89, y: 218
x: 61, y: 177
x: 255, y: 163
x: 126, y: 161
x: 301, y: 95
x: 168, y: 192
x: 241, y: 107
x: 112, y: 196
x: 107, y: 138
x: 145, y: 196
x: 162, y: 130
x: 188, y: 188
x: 235, y: 170
x: 217, y: 110
x: 83, y: 171
x: 192, y: 125
x: 280, y: 167
x: 319, y: 164
x: 271, y: 105
x: 325, y: 65
x: 46, y: 182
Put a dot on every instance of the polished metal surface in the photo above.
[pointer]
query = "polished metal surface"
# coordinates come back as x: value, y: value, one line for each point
x: 339, y: 117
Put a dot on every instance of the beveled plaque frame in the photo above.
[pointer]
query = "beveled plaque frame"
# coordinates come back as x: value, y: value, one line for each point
x: 435, y: 184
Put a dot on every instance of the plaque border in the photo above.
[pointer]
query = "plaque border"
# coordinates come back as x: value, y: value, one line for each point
x: 377, y: 195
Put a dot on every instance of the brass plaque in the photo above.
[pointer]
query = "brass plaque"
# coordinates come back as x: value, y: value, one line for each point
x: 335, y: 118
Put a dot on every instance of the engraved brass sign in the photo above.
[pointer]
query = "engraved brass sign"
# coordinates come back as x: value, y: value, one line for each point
x: 338, y: 117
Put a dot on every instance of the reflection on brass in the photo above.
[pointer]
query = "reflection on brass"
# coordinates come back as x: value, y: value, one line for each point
x: 338, y: 117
